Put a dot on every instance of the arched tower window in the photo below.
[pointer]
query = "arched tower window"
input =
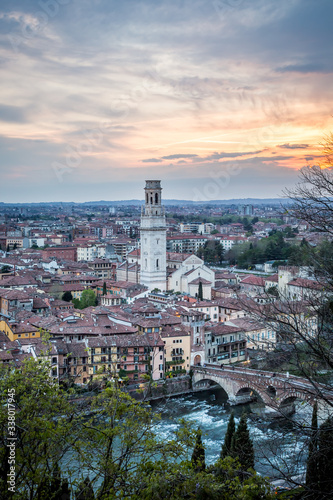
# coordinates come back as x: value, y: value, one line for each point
x: 157, y: 263
x: 156, y: 198
x: 151, y: 200
x: 147, y: 198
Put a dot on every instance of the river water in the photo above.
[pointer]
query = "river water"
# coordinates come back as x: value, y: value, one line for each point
x: 277, y: 445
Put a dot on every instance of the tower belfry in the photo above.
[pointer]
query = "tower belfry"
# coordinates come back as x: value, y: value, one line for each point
x: 153, y: 238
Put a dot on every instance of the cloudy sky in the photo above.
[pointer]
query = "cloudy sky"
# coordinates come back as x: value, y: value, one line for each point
x: 219, y: 99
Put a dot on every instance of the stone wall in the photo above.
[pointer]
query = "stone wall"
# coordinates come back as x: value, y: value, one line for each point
x: 161, y: 389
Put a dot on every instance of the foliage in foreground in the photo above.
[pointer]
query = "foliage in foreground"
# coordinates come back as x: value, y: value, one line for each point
x: 105, y: 451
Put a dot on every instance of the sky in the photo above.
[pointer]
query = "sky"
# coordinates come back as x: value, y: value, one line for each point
x: 219, y: 99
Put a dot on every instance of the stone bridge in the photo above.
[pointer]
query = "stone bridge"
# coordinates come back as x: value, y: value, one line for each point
x: 278, y: 391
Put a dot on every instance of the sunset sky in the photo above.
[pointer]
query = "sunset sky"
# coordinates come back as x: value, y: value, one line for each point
x: 219, y: 99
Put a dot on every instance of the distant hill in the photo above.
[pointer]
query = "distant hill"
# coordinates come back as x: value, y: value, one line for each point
x: 234, y: 201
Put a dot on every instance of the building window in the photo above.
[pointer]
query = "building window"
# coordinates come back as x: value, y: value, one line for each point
x: 157, y: 264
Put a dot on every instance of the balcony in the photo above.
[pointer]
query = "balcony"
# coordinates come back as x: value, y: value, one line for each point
x: 177, y: 352
x: 175, y: 362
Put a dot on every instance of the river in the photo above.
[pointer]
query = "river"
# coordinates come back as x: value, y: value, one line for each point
x: 276, y: 444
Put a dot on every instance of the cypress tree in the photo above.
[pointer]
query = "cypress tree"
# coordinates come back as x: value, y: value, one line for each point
x: 312, y: 463
x: 226, y: 447
x: 200, y: 291
x: 67, y: 296
x: 241, y: 444
x: 104, y: 288
x: 198, y: 455
x: 325, y: 462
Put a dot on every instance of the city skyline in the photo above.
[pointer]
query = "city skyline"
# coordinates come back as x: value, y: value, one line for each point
x: 219, y: 99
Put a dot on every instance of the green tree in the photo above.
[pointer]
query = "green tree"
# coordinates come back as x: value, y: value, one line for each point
x: 198, y: 455
x: 200, y: 252
x: 45, y: 424
x: 125, y: 451
x: 200, y: 291
x: 116, y: 443
x: 226, y: 447
x: 5, y: 269
x: 213, y: 252
x: 67, y: 296
x: 88, y: 298
x: 241, y: 444
x: 104, y: 289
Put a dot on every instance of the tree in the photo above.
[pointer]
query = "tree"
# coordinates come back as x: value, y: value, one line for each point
x: 104, y: 289
x: 213, y: 252
x: 67, y: 296
x: 325, y: 459
x: 5, y: 269
x: 313, y: 195
x: 198, y: 455
x: 226, y: 447
x: 200, y: 252
x: 200, y: 291
x: 45, y: 425
x: 242, y: 446
x: 304, y: 325
x: 88, y: 299
x: 115, y: 440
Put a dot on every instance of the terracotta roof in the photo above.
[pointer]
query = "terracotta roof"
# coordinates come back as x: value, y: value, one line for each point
x: 274, y: 278
x: 200, y: 280
x: 306, y: 283
x: 222, y: 328
x: 253, y: 280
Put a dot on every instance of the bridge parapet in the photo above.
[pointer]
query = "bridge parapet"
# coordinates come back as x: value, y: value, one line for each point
x: 277, y: 390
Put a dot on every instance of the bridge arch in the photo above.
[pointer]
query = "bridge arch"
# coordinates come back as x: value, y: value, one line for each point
x: 292, y: 397
x: 212, y: 379
x: 249, y: 390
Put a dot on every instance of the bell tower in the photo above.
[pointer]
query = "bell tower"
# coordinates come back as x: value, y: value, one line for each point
x: 153, y: 238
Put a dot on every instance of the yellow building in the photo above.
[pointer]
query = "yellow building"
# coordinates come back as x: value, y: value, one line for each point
x: 177, y: 348
x: 102, y: 359
x: 16, y: 331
